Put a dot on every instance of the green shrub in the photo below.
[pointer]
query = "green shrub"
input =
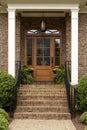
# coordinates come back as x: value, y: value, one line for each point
x: 4, y: 113
x: 6, y: 82
x: 82, y: 95
x: 3, y: 123
x: 85, y: 128
x: 26, y: 77
x: 59, y: 75
x: 83, y: 118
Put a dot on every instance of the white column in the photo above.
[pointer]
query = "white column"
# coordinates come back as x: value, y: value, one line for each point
x: 11, y: 42
x: 74, y: 47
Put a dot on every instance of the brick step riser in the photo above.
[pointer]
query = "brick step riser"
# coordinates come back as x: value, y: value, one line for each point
x: 36, y: 103
x: 42, y: 92
x: 42, y: 97
x: 43, y: 88
x: 39, y: 109
x: 42, y: 116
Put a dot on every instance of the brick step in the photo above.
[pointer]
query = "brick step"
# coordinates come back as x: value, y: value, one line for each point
x: 42, y: 87
x: 41, y: 109
x: 42, y: 92
x: 46, y: 115
x: 42, y: 102
x: 40, y: 97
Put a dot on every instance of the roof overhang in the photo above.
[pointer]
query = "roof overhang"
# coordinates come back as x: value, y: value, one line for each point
x: 40, y: 5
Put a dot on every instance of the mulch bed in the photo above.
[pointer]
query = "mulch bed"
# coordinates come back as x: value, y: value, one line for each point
x: 77, y: 123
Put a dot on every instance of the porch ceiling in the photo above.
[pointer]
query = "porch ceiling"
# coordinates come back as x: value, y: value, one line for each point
x: 81, y: 3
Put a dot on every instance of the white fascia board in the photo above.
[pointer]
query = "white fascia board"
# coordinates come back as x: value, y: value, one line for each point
x: 44, y: 6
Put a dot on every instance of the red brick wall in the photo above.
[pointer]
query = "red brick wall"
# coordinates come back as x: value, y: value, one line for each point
x: 3, y: 42
x: 82, y: 43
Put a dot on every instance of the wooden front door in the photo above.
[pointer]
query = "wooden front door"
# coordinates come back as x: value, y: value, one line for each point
x: 43, y: 53
x: 43, y: 63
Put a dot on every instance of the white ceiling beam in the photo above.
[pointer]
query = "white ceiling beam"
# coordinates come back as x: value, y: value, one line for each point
x: 44, y: 6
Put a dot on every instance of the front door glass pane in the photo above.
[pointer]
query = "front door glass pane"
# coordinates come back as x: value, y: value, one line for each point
x: 39, y: 61
x: 39, y: 42
x: 46, y: 51
x: 39, y: 51
x: 47, y: 61
x: 29, y: 42
x: 47, y: 42
x: 29, y: 51
x: 29, y: 61
x: 57, y: 51
x: 43, y: 52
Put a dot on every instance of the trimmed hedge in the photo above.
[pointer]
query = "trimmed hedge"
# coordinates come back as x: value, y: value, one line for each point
x: 83, y: 118
x: 82, y: 94
x: 6, y: 82
x: 59, y: 75
x: 26, y: 77
x: 3, y: 119
x: 4, y: 113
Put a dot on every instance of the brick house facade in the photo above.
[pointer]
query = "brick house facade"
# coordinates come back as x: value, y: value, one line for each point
x: 62, y: 23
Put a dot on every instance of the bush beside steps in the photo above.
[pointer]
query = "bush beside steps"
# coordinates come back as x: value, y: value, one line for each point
x: 3, y: 119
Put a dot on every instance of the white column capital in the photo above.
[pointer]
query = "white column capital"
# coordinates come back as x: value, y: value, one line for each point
x: 11, y: 13
x: 11, y: 10
x: 74, y: 10
x: 74, y: 14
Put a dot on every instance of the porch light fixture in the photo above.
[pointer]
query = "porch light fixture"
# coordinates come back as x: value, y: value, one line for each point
x: 43, y: 25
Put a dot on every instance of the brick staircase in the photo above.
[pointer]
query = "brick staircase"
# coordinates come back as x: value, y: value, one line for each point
x: 42, y: 102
